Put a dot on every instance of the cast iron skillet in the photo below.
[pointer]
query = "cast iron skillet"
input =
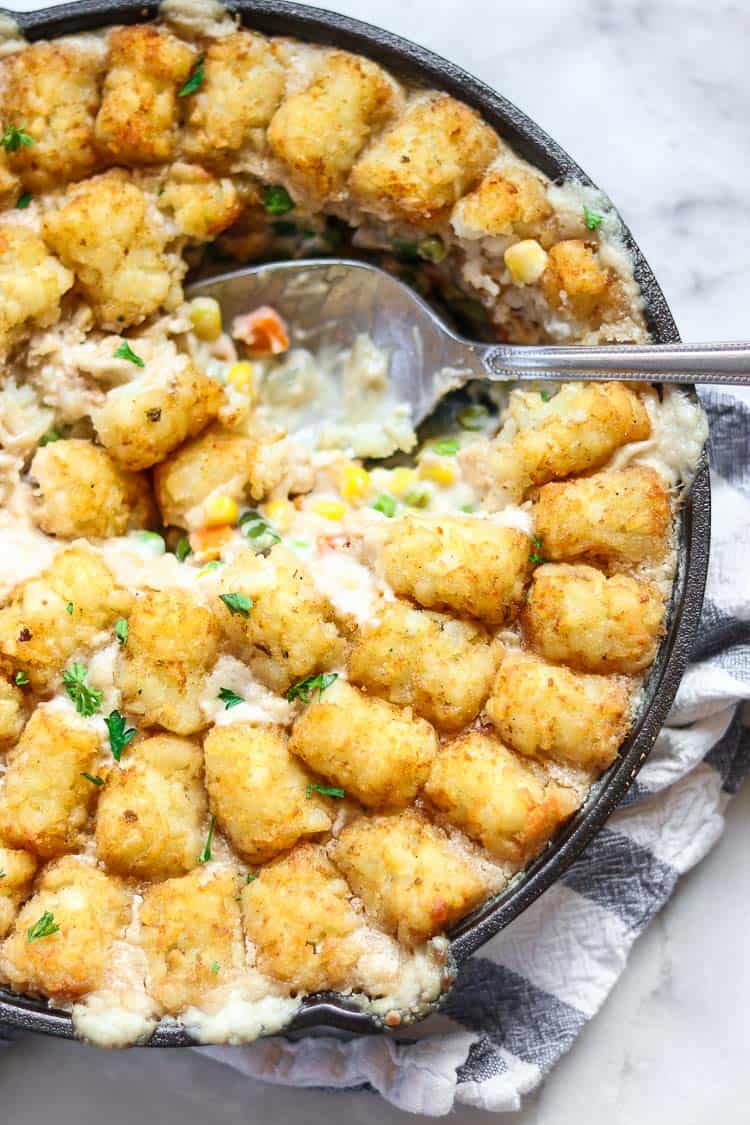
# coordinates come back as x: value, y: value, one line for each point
x: 278, y: 17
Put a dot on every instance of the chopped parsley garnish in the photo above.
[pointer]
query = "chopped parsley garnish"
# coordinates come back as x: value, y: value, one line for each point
x: 277, y: 200
x: 21, y: 679
x: 229, y: 698
x: 593, y: 218
x: 545, y: 395
x: 69, y: 608
x: 305, y: 688
x: 183, y: 549
x: 23, y: 201
x: 404, y: 248
x: 385, y: 504
x: 119, y: 734
x: 44, y: 927
x: 205, y: 855
x: 417, y: 498
x: 237, y: 603
x: 14, y: 137
x: 213, y: 565
x: 447, y: 447
x: 93, y: 778
x: 87, y: 700
x: 215, y: 968
x: 121, y: 630
x: 473, y: 417
x: 325, y: 790
x: 432, y: 249
x: 261, y: 535
x: 194, y: 82
x: 250, y: 877
x: 51, y: 435
x: 535, y: 556
x: 126, y: 352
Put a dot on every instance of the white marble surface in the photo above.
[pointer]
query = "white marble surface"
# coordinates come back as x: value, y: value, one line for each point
x: 653, y: 99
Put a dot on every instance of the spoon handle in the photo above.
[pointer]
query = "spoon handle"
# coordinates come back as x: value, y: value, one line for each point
x: 663, y: 363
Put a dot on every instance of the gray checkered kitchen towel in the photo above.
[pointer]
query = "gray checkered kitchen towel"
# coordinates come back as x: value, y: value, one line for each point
x: 520, y: 1003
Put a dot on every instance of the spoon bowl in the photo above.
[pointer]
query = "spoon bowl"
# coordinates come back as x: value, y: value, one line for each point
x: 327, y: 303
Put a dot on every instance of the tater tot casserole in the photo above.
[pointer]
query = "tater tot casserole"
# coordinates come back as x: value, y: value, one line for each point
x: 287, y: 689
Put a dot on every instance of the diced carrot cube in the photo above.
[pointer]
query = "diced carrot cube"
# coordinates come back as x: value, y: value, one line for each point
x: 208, y: 541
x: 263, y: 332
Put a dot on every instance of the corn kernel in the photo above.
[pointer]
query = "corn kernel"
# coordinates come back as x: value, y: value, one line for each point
x: 241, y: 376
x: 401, y: 480
x: 442, y: 472
x: 280, y: 513
x: 329, y: 509
x: 354, y: 482
x: 526, y: 261
x: 219, y: 510
x: 205, y: 317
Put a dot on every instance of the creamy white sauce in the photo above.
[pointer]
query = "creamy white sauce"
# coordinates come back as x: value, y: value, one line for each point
x: 239, y: 1020
x: 351, y: 588
x: 336, y: 400
x: 260, y: 705
x: 679, y: 430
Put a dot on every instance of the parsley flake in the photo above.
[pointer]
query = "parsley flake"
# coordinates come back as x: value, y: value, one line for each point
x: 404, y: 247
x: 121, y: 630
x: 277, y: 200
x: 229, y: 698
x: 593, y: 218
x: 21, y: 679
x: 126, y: 352
x: 261, y: 535
x: 51, y: 435
x: 69, y: 608
x: 87, y: 700
x: 385, y: 504
x: 535, y: 557
x: 237, y: 603
x: 325, y: 790
x: 305, y: 688
x: 250, y: 878
x: 14, y: 137
x: 119, y: 734
x: 545, y: 396
x: 93, y: 778
x: 215, y: 968
x: 194, y: 82
x: 183, y: 549
x: 447, y: 447
x: 23, y: 201
x: 44, y: 927
x: 205, y: 855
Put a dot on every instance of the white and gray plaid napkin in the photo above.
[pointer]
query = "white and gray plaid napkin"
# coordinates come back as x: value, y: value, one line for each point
x: 520, y: 1003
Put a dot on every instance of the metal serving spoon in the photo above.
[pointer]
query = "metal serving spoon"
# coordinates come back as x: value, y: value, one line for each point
x: 327, y: 303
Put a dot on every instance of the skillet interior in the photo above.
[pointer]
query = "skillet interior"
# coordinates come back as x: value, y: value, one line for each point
x: 332, y: 1012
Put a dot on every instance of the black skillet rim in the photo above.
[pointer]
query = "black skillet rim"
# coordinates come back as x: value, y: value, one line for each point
x: 407, y: 59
